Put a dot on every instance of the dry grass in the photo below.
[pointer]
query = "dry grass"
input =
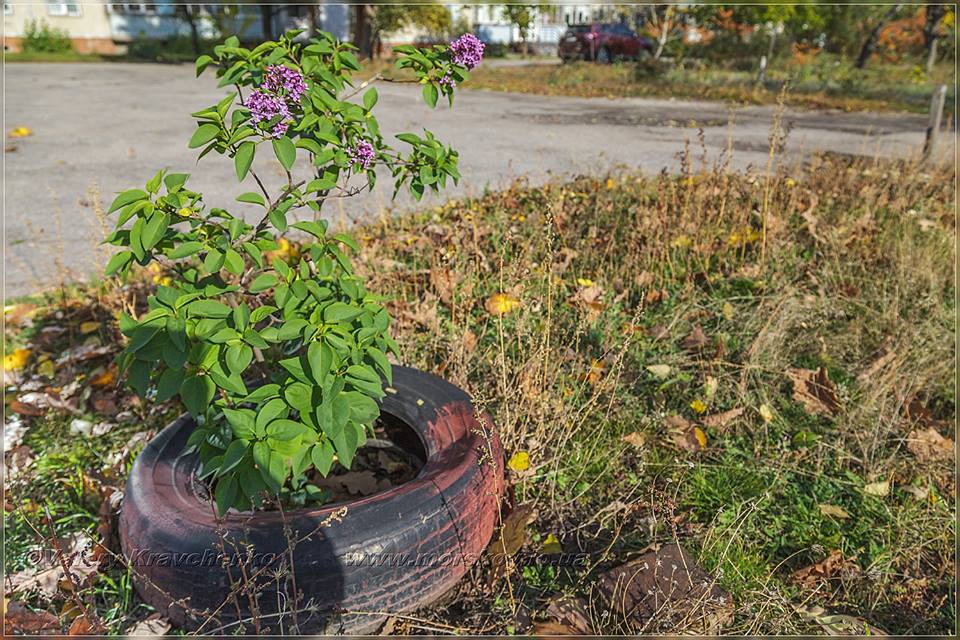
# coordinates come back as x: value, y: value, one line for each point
x: 649, y: 306
x: 884, y: 88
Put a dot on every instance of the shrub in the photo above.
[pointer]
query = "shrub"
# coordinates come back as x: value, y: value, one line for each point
x: 280, y: 358
x: 39, y: 37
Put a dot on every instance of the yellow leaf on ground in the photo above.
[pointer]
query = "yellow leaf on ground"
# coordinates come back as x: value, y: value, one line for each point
x: 585, y: 282
x: 766, y: 413
x: 46, y: 368
x: 16, y: 360
x: 89, y: 327
x: 698, y: 405
x: 551, y: 544
x: 834, y: 511
x: 879, y: 489
x: 520, y: 461
x: 20, y: 132
x: 105, y: 378
x: 728, y: 311
x: 501, y: 303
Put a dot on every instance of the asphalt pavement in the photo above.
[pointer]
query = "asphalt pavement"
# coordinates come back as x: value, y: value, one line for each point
x: 100, y: 128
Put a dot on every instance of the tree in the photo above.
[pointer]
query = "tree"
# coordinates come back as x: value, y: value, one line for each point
x: 870, y: 44
x: 373, y: 21
x: 662, y: 22
x: 521, y: 15
x: 934, y: 15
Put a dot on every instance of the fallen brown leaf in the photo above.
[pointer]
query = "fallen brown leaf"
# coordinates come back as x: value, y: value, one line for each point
x: 26, y: 409
x: 663, y: 587
x: 827, y: 568
x: 929, y: 446
x: 19, y: 619
x: 154, y: 625
x: 568, y: 617
x: 444, y: 282
x: 721, y: 420
x: 636, y: 438
x: 815, y: 391
x: 696, y: 339
x: 693, y: 440
x: 513, y: 532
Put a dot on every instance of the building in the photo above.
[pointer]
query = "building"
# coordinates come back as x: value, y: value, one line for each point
x: 96, y: 26
x: 87, y: 24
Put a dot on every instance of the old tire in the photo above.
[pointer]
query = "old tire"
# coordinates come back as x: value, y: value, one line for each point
x: 391, y: 552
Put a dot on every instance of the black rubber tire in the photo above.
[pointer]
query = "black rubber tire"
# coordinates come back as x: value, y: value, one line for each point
x: 443, y: 519
x: 603, y: 56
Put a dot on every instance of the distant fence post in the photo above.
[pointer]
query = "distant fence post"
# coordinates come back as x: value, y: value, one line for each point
x: 936, y: 115
x: 762, y: 73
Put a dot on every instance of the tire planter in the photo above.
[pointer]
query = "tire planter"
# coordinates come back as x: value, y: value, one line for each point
x: 391, y: 552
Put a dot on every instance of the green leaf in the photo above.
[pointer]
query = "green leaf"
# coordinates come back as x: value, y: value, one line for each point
x: 430, y: 94
x: 241, y: 423
x: 295, y: 367
x: 347, y: 240
x: 204, y: 134
x: 177, y: 332
x: 274, y: 409
x: 262, y: 458
x: 243, y: 159
x: 321, y: 184
x: 262, y: 393
x: 168, y: 384
x: 299, y: 395
x: 285, y: 429
x: 154, y: 229
x: 234, y: 454
x: 225, y: 494
x: 208, y: 309
x: 238, y: 357
x: 340, y: 312
x: 317, y: 229
x: 196, y: 393
x: 363, y: 409
x: 252, y: 198
x: 370, y: 98
x: 118, y: 261
x: 185, y: 249
x: 202, y: 63
x: 285, y: 151
x: 263, y: 282
x: 126, y: 197
x: 322, y: 457
x: 320, y: 357
x: 346, y: 443
x: 233, y: 262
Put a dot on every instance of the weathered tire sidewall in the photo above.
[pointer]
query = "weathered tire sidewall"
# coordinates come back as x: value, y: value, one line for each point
x: 390, y: 552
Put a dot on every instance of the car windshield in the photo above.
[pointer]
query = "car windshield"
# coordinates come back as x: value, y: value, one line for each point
x: 579, y: 28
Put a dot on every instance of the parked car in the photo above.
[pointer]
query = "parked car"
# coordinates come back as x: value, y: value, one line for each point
x: 603, y: 43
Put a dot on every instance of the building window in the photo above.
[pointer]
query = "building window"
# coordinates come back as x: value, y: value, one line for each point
x: 134, y: 8
x: 63, y: 8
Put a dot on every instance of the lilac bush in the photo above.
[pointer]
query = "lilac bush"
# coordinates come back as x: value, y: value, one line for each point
x: 279, y: 358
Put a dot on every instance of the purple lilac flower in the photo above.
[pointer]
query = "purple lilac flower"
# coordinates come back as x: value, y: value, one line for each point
x: 264, y: 106
x: 362, y: 154
x: 467, y: 51
x: 448, y: 81
x: 290, y: 80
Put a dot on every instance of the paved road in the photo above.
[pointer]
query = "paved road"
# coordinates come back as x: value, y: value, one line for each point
x: 101, y: 128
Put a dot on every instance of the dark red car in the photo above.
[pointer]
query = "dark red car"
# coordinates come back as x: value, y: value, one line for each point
x: 603, y: 43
